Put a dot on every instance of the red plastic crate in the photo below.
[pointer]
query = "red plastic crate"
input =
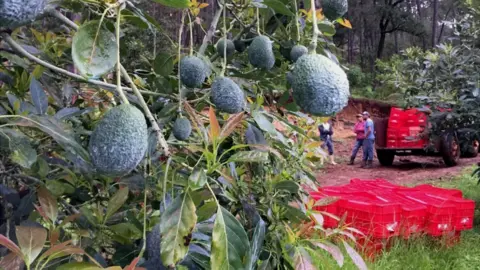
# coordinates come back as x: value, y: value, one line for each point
x: 413, y: 216
x: 371, y: 216
x: 441, y: 214
x: 439, y: 191
x: 465, y: 211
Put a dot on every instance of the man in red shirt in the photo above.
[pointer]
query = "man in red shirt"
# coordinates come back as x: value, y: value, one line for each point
x: 359, y: 129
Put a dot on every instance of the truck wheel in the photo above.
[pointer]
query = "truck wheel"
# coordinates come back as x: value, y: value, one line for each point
x: 385, y: 157
x: 471, y: 150
x: 450, y: 150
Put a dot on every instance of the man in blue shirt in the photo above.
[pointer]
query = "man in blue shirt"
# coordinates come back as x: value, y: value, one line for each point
x: 369, y: 141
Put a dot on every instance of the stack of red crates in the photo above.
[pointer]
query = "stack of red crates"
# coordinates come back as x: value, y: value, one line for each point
x: 403, y: 124
x: 381, y: 211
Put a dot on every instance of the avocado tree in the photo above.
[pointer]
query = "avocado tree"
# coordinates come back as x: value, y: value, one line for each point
x: 177, y: 164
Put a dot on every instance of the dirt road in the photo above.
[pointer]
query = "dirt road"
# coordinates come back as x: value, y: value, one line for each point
x: 406, y: 170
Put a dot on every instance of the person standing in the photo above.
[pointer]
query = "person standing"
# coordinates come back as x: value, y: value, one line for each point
x: 369, y: 141
x: 359, y: 130
x: 326, y: 133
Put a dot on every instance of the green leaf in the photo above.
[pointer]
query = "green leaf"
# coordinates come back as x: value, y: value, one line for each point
x: 230, y: 245
x: 18, y: 145
x: 60, y: 132
x: 94, y: 50
x: 197, y: 179
x: 48, y: 203
x: 249, y: 156
x: 176, y: 226
x: 116, y: 202
x: 78, y: 266
x: 302, y: 260
x: 39, y: 98
x: 333, y: 250
x: 163, y: 64
x: 257, y: 242
x: 287, y: 185
x: 206, y: 211
x: 174, y: 3
x: 30, y: 241
x: 279, y: 7
x: 264, y: 123
x: 356, y: 258
x: 327, y: 29
x: 125, y: 232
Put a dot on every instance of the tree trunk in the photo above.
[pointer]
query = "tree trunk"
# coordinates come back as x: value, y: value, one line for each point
x: 434, y: 23
x: 419, y: 10
x: 381, y: 44
x: 396, y: 41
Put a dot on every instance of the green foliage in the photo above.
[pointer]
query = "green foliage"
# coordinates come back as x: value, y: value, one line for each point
x: 228, y: 193
x: 444, y: 78
x: 119, y: 141
x: 320, y: 87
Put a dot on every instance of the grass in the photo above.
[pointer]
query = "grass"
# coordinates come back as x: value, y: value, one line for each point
x: 426, y: 254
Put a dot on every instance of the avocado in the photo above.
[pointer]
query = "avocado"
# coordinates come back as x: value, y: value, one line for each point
x: 227, y: 96
x: 221, y: 47
x: 297, y: 51
x: 334, y: 9
x: 16, y: 13
x: 260, y: 53
x: 119, y: 141
x: 320, y: 87
x: 182, y: 128
x: 193, y: 71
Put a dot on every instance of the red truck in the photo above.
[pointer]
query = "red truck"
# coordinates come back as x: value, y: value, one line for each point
x: 406, y: 133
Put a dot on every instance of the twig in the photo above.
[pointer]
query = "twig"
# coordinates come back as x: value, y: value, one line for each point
x: 237, y: 37
x: 213, y: 26
x: 119, y: 76
x: 180, y: 32
x: 313, y: 45
x: 143, y: 104
x: 22, y: 52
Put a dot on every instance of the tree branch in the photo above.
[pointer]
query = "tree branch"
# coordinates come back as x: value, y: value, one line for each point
x: 134, y: 89
x: 211, y: 31
x: 22, y: 52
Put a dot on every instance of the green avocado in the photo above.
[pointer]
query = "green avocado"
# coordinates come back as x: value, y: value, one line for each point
x: 193, y: 71
x: 221, y: 47
x: 320, y: 87
x: 119, y: 141
x: 182, y: 128
x: 297, y: 51
x: 227, y: 96
x: 260, y: 53
x: 334, y: 9
x: 16, y: 13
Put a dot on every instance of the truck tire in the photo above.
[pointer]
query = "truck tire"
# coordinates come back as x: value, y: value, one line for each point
x: 471, y: 151
x: 450, y: 150
x: 385, y: 157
